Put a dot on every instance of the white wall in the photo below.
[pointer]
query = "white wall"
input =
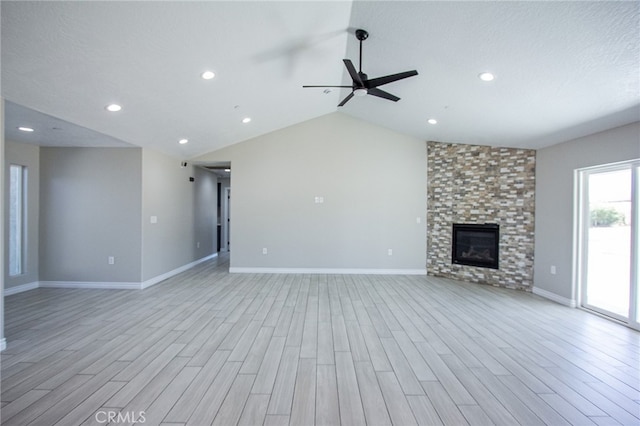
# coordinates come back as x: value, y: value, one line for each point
x: 373, y: 182
x: 555, y: 168
x: 25, y: 155
x: 185, y: 213
x: 90, y: 209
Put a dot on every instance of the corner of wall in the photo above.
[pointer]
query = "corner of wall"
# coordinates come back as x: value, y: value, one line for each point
x: 555, y: 202
x: 178, y: 214
x: 554, y: 297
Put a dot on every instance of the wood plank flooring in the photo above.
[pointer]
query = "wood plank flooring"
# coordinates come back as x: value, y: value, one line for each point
x: 208, y: 347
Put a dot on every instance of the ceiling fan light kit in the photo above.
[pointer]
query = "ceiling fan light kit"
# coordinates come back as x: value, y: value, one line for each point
x: 361, y: 84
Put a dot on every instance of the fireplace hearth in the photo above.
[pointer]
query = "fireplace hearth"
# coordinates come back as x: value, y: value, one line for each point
x: 475, y: 245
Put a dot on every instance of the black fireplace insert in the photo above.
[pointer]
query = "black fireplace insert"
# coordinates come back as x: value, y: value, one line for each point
x: 476, y: 245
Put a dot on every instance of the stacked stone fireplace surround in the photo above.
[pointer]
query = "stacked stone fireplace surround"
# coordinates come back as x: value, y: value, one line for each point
x: 482, y: 184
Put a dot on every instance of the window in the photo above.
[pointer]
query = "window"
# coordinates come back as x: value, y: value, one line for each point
x: 610, y: 241
x: 17, y: 210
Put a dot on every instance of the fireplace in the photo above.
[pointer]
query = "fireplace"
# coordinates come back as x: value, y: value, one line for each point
x: 475, y: 245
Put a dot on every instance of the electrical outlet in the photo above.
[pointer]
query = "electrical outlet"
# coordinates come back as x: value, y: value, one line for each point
x: 552, y: 270
x: 390, y: 252
x: 264, y: 250
x: 112, y: 260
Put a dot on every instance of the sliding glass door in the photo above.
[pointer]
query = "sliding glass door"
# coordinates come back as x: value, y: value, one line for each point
x: 609, y: 240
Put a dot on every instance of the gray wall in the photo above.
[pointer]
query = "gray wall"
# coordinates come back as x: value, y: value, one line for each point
x: 90, y: 206
x: 25, y: 155
x: 185, y: 213
x: 90, y: 209
x: 373, y: 182
x: 555, y: 199
x: 205, y: 214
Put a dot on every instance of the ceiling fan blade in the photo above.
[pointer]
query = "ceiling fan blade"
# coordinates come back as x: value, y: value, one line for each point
x: 353, y: 73
x: 375, y: 82
x: 327, y: 86
x: 382, y: 94
x: 345, y: 100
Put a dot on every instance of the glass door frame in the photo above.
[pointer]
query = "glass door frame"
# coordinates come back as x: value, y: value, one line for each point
x: 581, y: 232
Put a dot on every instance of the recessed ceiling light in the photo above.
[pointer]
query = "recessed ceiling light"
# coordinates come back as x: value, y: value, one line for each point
x: 208, y: 75
x: 432, y: 121
x: 227, y: 170
x: 486, y: 76
x: 113, y: 107
x: 25, y: 129
x: 246, y: 120
x: 183, y: 141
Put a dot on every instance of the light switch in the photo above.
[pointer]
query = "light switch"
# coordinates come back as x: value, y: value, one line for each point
x: 154, y: 219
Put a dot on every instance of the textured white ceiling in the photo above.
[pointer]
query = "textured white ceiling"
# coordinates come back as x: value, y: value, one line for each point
x: 52, y: 131
x: 563, y: 69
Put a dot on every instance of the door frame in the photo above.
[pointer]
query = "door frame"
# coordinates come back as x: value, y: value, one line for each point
x: 226, y: 219
x: 581, y: 230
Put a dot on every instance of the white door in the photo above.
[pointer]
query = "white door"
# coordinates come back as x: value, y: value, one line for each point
x: 609, y: 241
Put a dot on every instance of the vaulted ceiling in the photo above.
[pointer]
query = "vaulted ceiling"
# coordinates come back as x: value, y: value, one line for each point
x: 562, y: 69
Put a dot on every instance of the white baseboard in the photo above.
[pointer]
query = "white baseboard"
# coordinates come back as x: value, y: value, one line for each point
x: 556, y: 298
x: 91, y: 285
x: 331, y: 271
x: 162, y: 277
x: 21, y: 288
x: 3, y: 344
x: 123, y: 285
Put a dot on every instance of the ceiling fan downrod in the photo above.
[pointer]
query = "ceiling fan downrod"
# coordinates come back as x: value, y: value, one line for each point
x: 361, y: 35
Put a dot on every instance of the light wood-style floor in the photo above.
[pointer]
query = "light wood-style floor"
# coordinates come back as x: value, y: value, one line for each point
x: 209, y: 347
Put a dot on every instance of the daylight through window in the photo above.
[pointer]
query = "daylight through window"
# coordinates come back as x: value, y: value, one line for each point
x: 17, y: 199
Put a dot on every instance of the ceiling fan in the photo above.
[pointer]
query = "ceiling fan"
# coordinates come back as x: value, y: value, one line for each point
x: 362, y: 85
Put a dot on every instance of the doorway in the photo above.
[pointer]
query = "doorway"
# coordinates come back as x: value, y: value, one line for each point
x: 223, y: 171
x: 226, y: 219
x: 609, y: 242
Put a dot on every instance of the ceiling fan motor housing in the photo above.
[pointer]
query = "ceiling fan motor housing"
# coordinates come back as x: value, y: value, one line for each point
x: 364, y: 79
x: 361, y: 34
